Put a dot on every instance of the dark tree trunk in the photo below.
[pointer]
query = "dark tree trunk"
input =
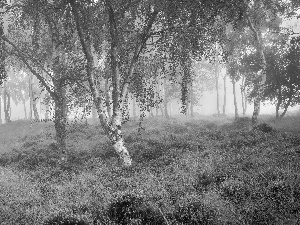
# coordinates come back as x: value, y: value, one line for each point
x: 288, y: 103
x: 285, y: 109
x: 60, y: 127
x: 279, y: 102
x: 59, y: 103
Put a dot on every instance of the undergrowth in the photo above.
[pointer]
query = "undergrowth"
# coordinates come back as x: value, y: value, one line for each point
x: 195, y: 172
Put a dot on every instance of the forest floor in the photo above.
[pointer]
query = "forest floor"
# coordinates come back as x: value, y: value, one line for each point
x: 209, y: 170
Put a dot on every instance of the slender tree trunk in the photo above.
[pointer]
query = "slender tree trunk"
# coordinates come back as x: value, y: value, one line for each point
x: 30, y: 96
x: 225, y: 97
x: 244, y: 100
x: 157, y: 94
x: 191, y: 100
x: 47, y: 107
x: 113, y: 127
x: 262, y: 76
x: 279, y: 102
x: 288, y: 103
x: 59, y: 110
x: 59, y: 98
x: 236, y: 113
x: 0, y: 110
x: 6, y: 103
x: 24, y: 105
x: 166, y: 99
x: 217, y: 80
x: 35, y: 111
x: 94, y: 112
x: 285, y: 109
x: 133, y: 107
x: 8, y: 108
x: 125, y: 109
x: 162, y: 109
x: 107, y: 97
x: 151, y: 112
x: 218, y: 101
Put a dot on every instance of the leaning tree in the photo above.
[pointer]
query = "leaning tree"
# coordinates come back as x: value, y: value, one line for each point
x: 65, y: 39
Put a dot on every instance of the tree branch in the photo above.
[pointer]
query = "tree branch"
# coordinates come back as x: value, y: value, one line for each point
x: 139, y: 47
x: 32, y: 70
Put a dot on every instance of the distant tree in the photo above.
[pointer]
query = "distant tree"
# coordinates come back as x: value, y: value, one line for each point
x: 40, y: 42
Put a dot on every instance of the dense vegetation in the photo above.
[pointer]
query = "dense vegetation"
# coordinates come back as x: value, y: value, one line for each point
x: 199, y: 171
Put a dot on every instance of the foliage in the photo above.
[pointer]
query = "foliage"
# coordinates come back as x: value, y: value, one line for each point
x: 281, y: 85
x: 216, y: 175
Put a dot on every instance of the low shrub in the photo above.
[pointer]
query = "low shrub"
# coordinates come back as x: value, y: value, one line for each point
x: 65, y: 220
x: 195, y: 213
x: 130, y: 209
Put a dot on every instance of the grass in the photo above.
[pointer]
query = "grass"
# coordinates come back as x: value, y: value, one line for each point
x: 201, y: 171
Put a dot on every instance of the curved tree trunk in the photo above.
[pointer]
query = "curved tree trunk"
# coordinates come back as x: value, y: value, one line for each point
x: 112, y: 127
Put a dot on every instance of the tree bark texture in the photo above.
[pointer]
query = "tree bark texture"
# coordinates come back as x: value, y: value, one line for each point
x: 112, y: 128
x: 261, y: 77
